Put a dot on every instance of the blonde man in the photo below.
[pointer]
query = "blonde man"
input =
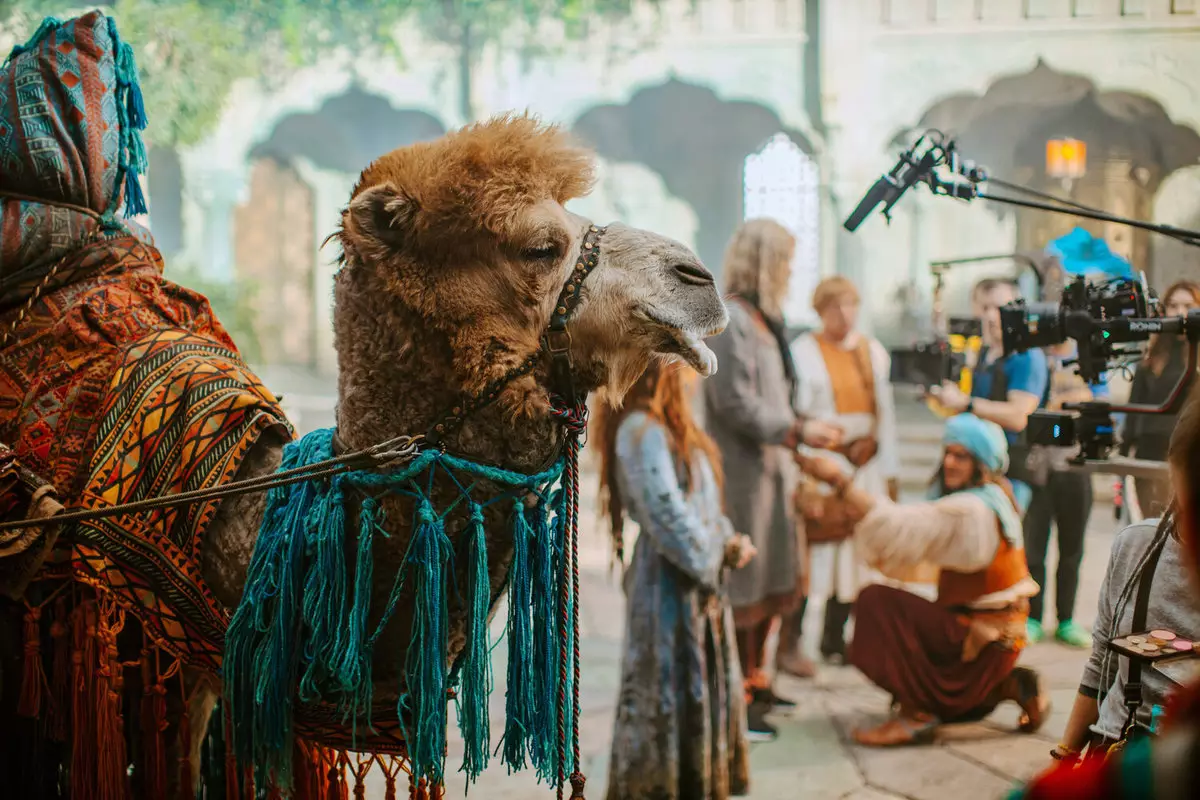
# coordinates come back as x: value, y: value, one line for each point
x: 843, y: 380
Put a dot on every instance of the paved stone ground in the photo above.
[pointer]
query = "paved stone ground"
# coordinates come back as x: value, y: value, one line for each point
x: 814, y: 757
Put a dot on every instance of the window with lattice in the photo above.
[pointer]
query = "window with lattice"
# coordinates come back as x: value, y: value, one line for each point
x: 782, y: 182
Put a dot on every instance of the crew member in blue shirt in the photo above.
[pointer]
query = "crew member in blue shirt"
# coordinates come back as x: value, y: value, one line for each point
x: 1005, y: 389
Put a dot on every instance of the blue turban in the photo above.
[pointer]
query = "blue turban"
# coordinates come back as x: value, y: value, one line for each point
x: 984, y: 440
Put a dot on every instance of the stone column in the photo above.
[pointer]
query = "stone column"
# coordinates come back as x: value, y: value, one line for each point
x: 217, y: 193
x: 331, y: 191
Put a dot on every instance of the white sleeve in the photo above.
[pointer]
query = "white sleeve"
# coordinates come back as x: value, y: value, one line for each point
x: 958, y: 532
x: 889, y: 456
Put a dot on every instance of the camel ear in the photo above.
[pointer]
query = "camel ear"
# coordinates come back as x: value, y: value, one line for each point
x: 384, y: 213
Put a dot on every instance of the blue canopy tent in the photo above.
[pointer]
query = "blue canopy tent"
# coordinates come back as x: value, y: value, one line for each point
x: 1081, y: 253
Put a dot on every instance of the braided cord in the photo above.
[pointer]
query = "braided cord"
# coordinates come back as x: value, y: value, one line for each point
x: 574, y: 420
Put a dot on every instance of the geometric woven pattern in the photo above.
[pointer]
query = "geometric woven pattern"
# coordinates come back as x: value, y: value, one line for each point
x: 124, y: 386
x: 61, y: 140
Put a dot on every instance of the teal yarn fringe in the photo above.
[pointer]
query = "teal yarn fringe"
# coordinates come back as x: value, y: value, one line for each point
x: 260, y: 668
x: 519, y: 710
x: 476, y: 663
x: 131, y: 113
x: 301, y: 632
x: 545, y: 567
x: 425, y: 663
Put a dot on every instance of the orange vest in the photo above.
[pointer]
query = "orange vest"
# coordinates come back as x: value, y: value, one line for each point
x: 1007, y: 569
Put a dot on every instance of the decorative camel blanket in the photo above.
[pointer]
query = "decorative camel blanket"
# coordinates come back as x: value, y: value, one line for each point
x: 124, y: 387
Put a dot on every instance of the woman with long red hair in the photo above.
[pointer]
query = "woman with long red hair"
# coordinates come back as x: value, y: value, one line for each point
x: 1145, y: 768
x: 681, y: 726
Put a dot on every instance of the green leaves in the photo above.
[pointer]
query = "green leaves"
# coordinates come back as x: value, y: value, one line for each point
x: 191, y: 52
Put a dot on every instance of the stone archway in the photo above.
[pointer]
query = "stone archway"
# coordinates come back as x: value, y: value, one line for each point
x: 291, y: 208
x: 697, y: 142
x: 1132, y: 147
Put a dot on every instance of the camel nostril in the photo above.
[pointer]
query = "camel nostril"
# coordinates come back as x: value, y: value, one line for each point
x: 694, y: 274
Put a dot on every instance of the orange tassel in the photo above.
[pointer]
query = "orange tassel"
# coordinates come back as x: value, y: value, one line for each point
x: 60, y: 680
x: 422, y: 792
x: 83, y: 669
x: 333, y: 792
x: 360, y: 776
x: 391, y: 770
x: 187, y: 782
x: 33, y: 675
x: 111, y: 767
x: 231, y: 767
x: 154, y: 725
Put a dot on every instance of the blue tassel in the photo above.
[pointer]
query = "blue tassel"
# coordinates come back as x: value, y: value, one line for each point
x: 519, y: 697
x: 353, y: 674
x: 131, y: 115
x: 425, y: 665
x: 135, y: 201
x: 260, y: 666
x: 476, y: 663
x: 323, y: 606
x: 544, y: 567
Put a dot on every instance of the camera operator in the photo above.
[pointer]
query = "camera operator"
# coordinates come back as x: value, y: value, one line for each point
x: 1146, y: 435
x: 1004, y: 389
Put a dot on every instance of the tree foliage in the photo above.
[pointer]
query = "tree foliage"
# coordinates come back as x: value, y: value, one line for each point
x: 191, y: 52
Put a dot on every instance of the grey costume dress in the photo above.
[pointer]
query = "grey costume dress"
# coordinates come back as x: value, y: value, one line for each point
x: 680, y: 731
x: 749, y: 412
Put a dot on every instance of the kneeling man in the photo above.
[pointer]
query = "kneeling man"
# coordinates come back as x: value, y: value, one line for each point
x: 953, y: 659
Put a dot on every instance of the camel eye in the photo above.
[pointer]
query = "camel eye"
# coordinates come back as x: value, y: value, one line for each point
x: 545, y: 252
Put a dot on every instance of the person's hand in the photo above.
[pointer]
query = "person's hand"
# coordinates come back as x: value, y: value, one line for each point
x: 746, y: 551
x: 951, y: 397
x: 821, y: 435
x: 823, y: 468
x: 860, y: 451
x: 739, y: 551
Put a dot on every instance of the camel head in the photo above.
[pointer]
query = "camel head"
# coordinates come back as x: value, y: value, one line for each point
x: 469, y: 234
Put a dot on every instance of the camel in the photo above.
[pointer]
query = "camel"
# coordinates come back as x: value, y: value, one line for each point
x: 454, y: 253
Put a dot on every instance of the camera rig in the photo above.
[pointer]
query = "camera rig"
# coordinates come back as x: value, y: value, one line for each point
x: 1101, y: 317
x: 951, y: 352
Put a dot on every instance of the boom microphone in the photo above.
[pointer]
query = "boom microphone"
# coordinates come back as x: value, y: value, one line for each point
x: 888, y: 189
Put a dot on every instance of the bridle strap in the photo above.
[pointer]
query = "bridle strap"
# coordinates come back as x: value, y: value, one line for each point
x: 556, y: 344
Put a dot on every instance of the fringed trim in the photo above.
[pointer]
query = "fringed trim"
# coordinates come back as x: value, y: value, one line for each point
x: 425, y: 663
x: 326, y: 654
x: 519, y: 709
x: 473, y: 719
x: 131, y: 114
x: 112, y: 774
x: 545, y: 567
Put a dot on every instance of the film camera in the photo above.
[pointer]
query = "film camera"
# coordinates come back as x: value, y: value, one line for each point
x: 1104, y: 319
x: 927, y: 364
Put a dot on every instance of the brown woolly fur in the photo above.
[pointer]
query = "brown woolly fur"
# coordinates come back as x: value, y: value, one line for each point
x: 473, y: 186
x: 431, y: 218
